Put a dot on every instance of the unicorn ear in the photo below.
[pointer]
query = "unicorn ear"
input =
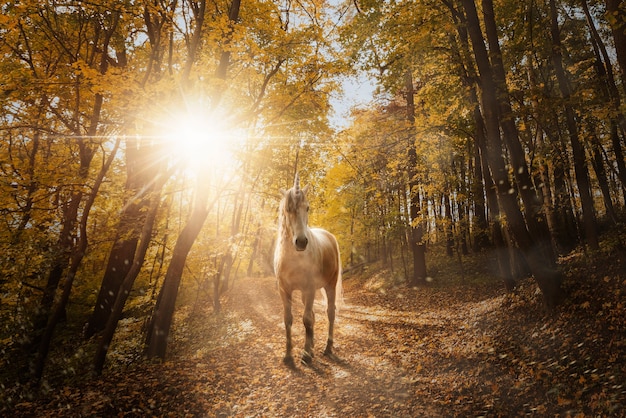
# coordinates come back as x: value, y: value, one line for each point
x: 283, y: 193
x: 305, y: 189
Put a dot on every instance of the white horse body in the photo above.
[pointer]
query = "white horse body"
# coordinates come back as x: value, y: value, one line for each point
x: 305, y: 259
x: 319, y: 261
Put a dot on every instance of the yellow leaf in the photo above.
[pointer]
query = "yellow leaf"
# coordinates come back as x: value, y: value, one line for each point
x: 562, y: 401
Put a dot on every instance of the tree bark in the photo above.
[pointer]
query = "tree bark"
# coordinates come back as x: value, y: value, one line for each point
x: 75, y: 261
x: 578, y: 151
x: 416, y: 227
x: 610, y: 92
x: 495, y: 227
x: 142, y: 169
x: 616, y: 16
x: 448, y: 224
x: 158, y: 330
x: 532, y: 206
x: 541, y: 262
x: 481, y: 226
x: 127, y: 284
x: 161, y: 321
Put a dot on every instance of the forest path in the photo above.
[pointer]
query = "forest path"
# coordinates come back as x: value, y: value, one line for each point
x: 394, y: 349
x: 401, y: 353
x: 445, y: 349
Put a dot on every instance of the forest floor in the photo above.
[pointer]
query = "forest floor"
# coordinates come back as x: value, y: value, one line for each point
x: 463, y: 349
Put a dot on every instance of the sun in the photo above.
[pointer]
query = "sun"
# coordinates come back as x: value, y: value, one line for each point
x: 198, y: 141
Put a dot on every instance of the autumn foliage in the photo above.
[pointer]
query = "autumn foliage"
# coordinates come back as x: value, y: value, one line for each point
x: 478, y: 195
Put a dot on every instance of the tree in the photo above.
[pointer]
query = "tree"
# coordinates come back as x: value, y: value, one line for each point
x: 418, y: 247
x: 159, y: 328
x: 529, y: 238
x: 580, y: 161
x: 75, y: 261
x: 143, y: 164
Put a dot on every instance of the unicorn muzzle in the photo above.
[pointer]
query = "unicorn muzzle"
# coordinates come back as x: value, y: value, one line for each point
x: 301, y: 243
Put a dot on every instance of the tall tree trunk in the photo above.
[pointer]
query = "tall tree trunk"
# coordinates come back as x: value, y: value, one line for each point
x: 541, y: 263
x: 78, y: 253
x: 448, y: 224
x: 416, y: 228
x: 616, y: 16
x: 532, y: 206
x: 567, y: 226
x: 86, y: 151
x: 542, y: 173
x: 604, y: 68
x: 158, y: 331
x: 65, y: 244
x: 127, y: 283
x: 142, y: 169
x: 161, y: 321
x: 481, y: 226
x: 462, y: 209
x: 501, y: 245
x: 469, y: 77
x: 578, y: 151
x: 603, y: 182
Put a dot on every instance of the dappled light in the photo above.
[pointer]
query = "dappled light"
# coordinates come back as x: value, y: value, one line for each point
x: 451, y: 352
x: 186, y: 187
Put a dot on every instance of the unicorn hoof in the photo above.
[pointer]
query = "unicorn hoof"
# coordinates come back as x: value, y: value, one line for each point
x: 330, y: 356
x: 307, y: 359
x: 288, y: 361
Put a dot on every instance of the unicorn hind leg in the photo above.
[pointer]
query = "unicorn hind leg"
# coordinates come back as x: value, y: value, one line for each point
x: 288, y: 318
x: 330, y: 295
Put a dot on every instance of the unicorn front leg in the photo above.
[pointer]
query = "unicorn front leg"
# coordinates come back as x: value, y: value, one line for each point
x: 309, y: 322
x: 288, y: 318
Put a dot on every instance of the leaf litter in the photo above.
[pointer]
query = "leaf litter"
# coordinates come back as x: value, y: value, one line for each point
x: 457, y: 350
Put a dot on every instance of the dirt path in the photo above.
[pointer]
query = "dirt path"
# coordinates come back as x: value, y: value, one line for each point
x: 428, y: 352
x: 392, y: 357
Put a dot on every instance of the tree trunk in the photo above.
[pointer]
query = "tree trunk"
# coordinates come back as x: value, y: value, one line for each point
x: 142, y: 169
x: 127, y: 283
x: 76, y: 258
x: 501, y: 245
x: 603, y: 182
x: 469, y: 77
x: 416, y: 227
x: 158, y: 331
x: 462, y: 209
x: 541, y: 262
x: 448, y: 223
x: 578, y: 151
x: 532, y: 206
x: 481, y: 226
x: 542, y: 173
x: 159, y: 328
x: 611, y: 94
x: 616, y: 16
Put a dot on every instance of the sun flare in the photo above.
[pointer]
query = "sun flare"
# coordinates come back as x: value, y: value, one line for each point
x: 198, y: 142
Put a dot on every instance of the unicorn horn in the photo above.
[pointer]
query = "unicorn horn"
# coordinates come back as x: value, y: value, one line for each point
x: 296, y: 182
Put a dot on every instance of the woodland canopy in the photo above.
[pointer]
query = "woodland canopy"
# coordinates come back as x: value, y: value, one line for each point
x: 144, y: 143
